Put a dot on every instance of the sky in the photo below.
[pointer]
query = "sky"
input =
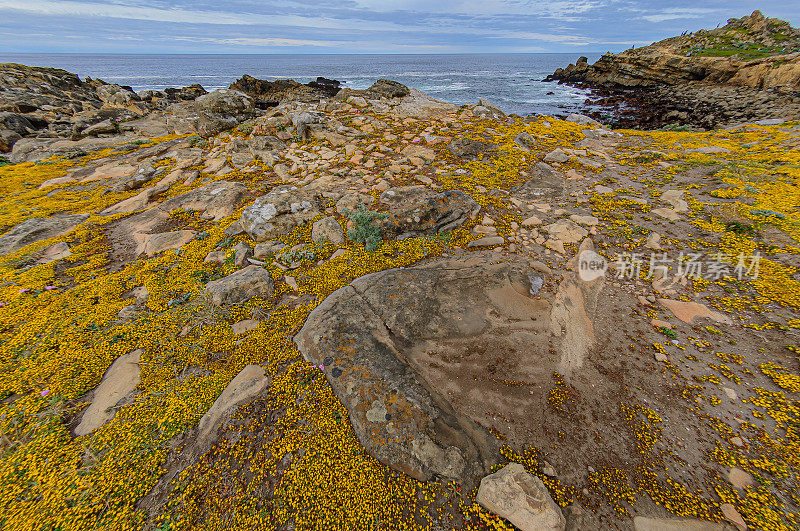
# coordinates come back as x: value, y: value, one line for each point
x: 359, y: 26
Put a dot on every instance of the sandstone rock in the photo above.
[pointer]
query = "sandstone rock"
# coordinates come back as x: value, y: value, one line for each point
x: 557, y: 155
x: 242, y: 252
x: 572, y: 313
x: 667, y: 213
x: 119, y: 381
x: 36, y: 229
x: 486, y: 241
x: 545, y: 183
x: 140, y: 201
x: 653, y: 241
x: 733, y: 516
x: 241, y: 286
x: 566, y: 231
x: 381, y: 340
x: 152, y: 244
x: 265, y: 249
x: 248, y: 384
x: 675, y: 199
x: 278, y: 212
x: 243, y: 326
x: 215, y: 257
x: 581, y: 119
x: 740, y: 479
x: 689, y: 311
x: 57, y: 251
x: 418, y: 210
x: 470, y: 149
x: 531, y: 221
x: 327, y: 229
x: 520, y: 498
x: 589, y: 221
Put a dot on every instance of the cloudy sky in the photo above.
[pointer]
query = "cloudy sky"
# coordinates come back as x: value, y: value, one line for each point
x: 359, y: 26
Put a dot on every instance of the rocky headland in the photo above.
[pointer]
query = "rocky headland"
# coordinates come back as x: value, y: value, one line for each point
x: 297, y: 306
x: 747, y: 70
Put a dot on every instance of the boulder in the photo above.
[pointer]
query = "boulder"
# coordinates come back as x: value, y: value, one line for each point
x: 418, y: 210
x: 566, y: 231
x: 152, y: 244
x: 118, y: 382
x: 241, y: 286
x: 327, y: 229
x: 248, y: 384
x: 406, y: 352
x: 520, y: 498
x: 222, y: 110
x: 36, y: 229
x: 469, y: 149
x: 278, y: 212
x: 544, y: 183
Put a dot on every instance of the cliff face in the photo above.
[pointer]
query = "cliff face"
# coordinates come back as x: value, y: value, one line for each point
x: 754, y: 52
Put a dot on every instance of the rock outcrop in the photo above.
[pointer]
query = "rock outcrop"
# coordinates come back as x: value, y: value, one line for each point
x: 399, y: 348
x: 747, y: 70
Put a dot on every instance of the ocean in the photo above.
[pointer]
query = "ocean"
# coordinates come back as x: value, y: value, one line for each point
x: 513, y: 82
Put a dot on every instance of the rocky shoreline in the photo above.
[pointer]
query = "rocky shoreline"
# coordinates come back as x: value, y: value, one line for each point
x: 745, y: 71
x: 288, y: 306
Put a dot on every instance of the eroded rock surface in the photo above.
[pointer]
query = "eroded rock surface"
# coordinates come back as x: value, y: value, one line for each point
x: 400, y: 345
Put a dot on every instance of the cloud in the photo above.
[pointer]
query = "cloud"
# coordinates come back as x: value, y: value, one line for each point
x: 678, y: 13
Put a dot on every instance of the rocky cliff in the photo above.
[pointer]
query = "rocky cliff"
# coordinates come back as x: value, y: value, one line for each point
x: 753, y: 52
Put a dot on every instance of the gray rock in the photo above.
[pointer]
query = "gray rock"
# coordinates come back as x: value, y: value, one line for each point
x: 278, y: 212
x: 36, y: 229
x: 545, y: 183
x: 241, y: 286
x: 418, y: 210
x: 247, y: 385
x: 327, y: 229
x: 581, y: 119
x: 520, y: 498
x: 470, y: 149
x: 242, y: 252
x: 222, y: 110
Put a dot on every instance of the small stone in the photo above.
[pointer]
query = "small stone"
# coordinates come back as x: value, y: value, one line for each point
x: 733, y: 516
x: 740, y: 479
x: 653, y: 241
x: 532, y: 221
x: 661, y: 357
x: 243, y: 326
x: 730, y: 393
x: 486, y: 241
x: 520, y: 498
x: 291, y: 282
x: 737, y: 441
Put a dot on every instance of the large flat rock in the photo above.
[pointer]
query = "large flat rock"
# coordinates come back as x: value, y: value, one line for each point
x: 408, y: 351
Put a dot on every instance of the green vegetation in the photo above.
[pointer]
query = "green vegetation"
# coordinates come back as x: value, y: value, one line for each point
x: 366, y: 229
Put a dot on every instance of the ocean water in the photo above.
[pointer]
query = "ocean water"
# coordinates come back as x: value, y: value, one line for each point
x: 513, y: 82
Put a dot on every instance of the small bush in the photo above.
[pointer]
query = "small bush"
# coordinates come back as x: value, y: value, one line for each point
x: 366, y: 230
x: 196, y: 141
x: 4, y: 161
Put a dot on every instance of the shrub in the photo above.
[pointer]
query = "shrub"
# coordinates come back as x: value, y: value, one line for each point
x: 366, y: 229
